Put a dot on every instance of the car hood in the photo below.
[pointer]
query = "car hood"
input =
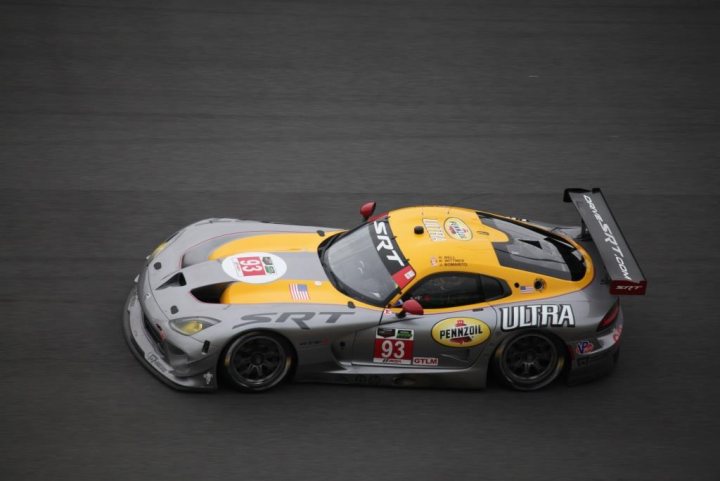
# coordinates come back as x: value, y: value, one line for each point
x: 243, y: 262
x: 279, y: 267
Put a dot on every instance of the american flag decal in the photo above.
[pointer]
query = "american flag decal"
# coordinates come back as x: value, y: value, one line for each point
x: 299, y: 292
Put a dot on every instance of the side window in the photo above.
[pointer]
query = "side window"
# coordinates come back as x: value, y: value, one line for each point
x: 453, y: 290
x: 494, y: 288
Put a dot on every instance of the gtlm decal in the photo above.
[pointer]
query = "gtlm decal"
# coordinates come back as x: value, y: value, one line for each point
x: 538, y: 315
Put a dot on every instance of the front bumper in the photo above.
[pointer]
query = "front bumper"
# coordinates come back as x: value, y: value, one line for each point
x: 147, y: 351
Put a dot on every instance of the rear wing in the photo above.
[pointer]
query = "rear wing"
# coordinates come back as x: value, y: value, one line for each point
x: 626, y: 277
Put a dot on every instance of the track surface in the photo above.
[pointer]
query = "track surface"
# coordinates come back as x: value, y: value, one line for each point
x: 123, y: 121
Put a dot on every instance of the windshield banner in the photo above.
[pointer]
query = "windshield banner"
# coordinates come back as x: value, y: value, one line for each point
x: 390, y: 254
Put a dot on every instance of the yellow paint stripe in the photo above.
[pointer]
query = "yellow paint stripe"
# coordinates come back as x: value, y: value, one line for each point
x: 279, y: 292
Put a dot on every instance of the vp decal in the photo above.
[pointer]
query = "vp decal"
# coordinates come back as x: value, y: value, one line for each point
x: 584, y: 347
x: 460, y: 332
x: 254, y: 267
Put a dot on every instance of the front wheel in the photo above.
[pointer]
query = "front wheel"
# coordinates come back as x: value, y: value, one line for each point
x: 528, y: 361
x: 257, y: 361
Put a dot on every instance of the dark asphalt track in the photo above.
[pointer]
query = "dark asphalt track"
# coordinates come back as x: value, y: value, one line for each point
x: 123, y: 121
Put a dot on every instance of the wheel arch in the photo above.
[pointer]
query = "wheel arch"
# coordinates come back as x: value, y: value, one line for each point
x: 220, y: 367
x: 560, y: 344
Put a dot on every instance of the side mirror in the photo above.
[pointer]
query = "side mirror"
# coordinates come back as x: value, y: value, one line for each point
x: 411, y: 306
x: 367, y: 210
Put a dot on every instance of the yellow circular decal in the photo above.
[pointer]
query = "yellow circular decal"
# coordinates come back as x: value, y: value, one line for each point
x: 457, y: 229
x: 460, y: 332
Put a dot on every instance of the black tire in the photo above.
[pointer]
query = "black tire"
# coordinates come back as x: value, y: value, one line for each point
x: 257, y: 361
x: 529, y: 361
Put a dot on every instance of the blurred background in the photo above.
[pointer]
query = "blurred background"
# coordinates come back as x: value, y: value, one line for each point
x: 122, y: 121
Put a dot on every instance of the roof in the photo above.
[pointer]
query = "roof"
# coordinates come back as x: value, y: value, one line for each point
x: 454, y: 239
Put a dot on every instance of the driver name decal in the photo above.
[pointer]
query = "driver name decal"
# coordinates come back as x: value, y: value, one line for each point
x: 536, y: 315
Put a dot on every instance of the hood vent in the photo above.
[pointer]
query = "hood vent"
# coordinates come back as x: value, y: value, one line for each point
x: 534, y: 243
x: 210, y: 294
x: 175, y: 281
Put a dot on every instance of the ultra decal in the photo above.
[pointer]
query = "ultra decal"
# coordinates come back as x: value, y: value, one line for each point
x: 536, y: 315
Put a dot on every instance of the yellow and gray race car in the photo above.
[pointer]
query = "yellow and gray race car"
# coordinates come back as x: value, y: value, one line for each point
x: 427, y: 296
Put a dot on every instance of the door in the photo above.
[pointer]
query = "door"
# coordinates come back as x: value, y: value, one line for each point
x: 451, y: 334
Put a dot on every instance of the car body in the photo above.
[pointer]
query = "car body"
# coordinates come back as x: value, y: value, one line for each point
x: 427, y: 296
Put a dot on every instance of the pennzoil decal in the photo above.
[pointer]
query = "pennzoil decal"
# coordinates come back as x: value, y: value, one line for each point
x: 457, y: 229
x: 536, y: 315
x: 390, y: 254
x: 460, y: 332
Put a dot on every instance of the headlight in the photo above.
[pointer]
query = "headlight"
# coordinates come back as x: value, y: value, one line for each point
x: 164, y: 244
x: 158, y: 250
x: 188, y: 327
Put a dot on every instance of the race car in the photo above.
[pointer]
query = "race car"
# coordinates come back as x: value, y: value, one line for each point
x: 425, y: 296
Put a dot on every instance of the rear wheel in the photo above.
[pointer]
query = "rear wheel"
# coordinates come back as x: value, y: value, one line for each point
x: 529, y: 361
x: 257, y: 361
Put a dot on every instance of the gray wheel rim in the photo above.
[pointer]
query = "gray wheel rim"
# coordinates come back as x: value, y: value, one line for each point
x: 530, y: 360
x: 257, y: 361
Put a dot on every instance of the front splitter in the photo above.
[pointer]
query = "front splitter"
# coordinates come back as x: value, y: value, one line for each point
x: 147, y: 353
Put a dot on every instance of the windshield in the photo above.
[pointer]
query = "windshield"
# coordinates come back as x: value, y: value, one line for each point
x: 367, y: 264
x: 535, y: 250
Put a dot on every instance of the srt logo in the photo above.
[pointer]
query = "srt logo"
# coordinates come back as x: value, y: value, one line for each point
x: 385, y: 243
x: 628, y: 288
x: 298, y: 318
